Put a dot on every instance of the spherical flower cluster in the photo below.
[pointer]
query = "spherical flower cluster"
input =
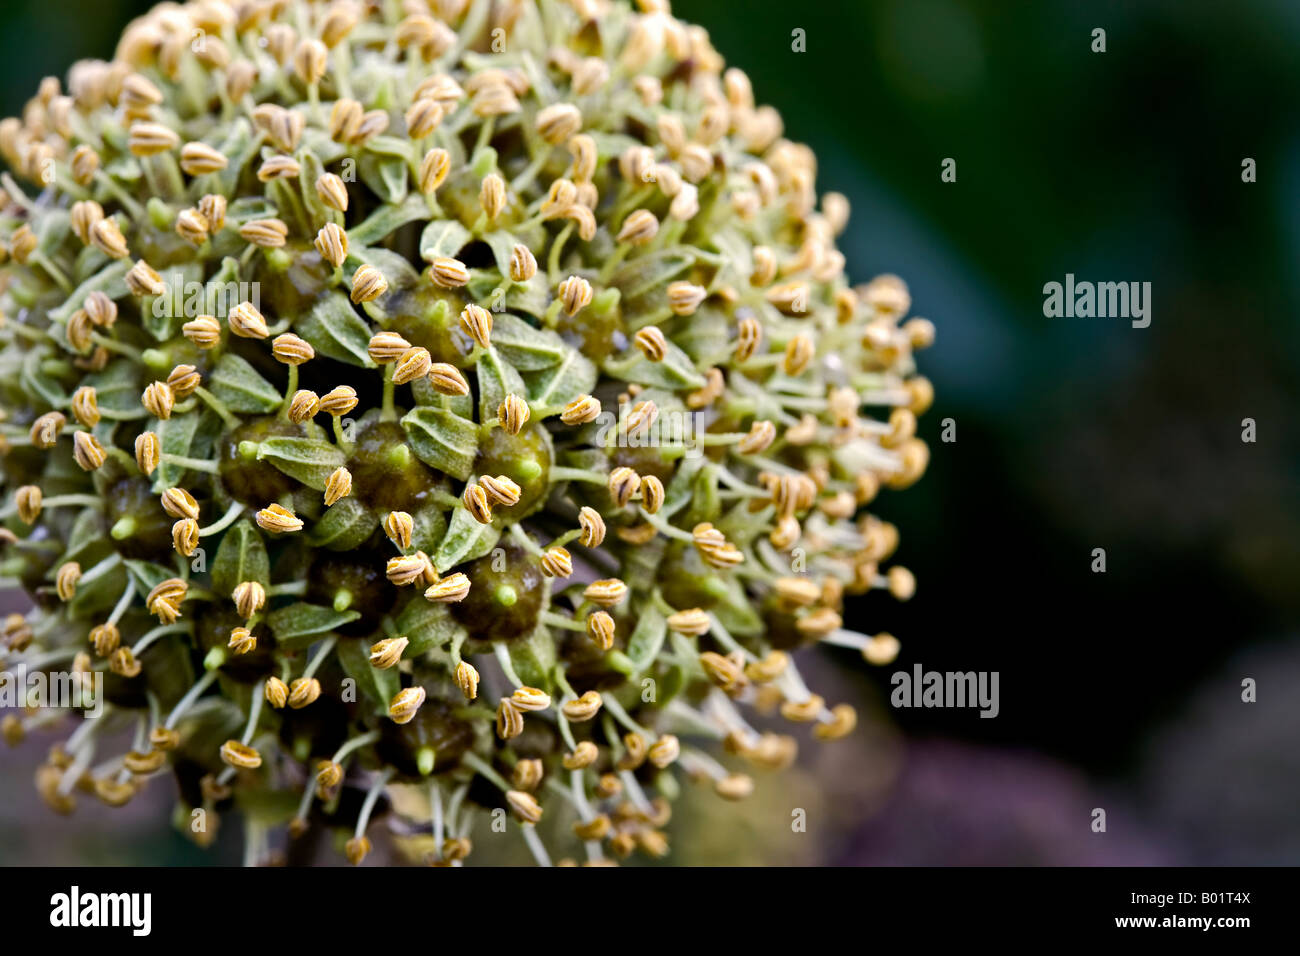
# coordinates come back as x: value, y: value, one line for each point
x: 453, y: 398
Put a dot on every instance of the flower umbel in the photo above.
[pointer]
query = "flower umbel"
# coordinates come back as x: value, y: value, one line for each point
x: 519, y: 430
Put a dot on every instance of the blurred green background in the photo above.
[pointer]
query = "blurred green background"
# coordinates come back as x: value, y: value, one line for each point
x: 1118, y: 690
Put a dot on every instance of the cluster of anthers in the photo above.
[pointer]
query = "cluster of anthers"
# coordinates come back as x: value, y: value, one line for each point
x: 430, y: 410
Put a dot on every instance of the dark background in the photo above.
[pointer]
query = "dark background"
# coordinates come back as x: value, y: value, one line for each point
x: 1118, y: 690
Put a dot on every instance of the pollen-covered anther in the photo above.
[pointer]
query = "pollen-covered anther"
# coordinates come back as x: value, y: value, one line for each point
x: 409, y: 569
x: 303, y: 692
x: 398, y: 526
x: 641, y: 417
x: 278, y: 520
x: 447, y: 379
x: 179, y: 503
x: 291, y: 350
x: 881, y: 649
x: 734, y: 786
x: 843, y: 719
x: 240, y: 755
x: 525, y: 805
x: 592, y: 526
x: 653, y: 494
x: 65, y: 580
x: 328, y: 776
x: 634, y: 752
x: 332, y: 192
x: 476, y: 322
x: 387, y: 347
x: 557, y: 563
x: 265, y: 233
x: 332, y: 244
x: 768, y: 668
x: 278, y: 167
x: 101, y: 309
x: 575, y: 294
x: 639, y: 227
x: 433, y: 170
x: 595, y: 829
x: 247, y: 322
x: 623, y: 484
x: 819, y: 623
x: 798, y: 353
x: 17, y: 633
x: 448, y: 272
x: 242, y: 640
x: 87, y: 451
x: 45, y: 431
x: 405, y: 704
x: 159, y: 400
x: 198, y: 159
x: 143, y: 278
x: 527, y: 774
x: 685, y: 297
x: 692, y: 621
x: 123, y: 663
x: 513, y: 413
x: 607, y: 592
x: 523, y: 264
x: 581, y: 410
x: 582, y: 756
x: 27, y: 500
x: 185, y: 536
x: 368, y: 284
x: 338, y: 401
x: 164, y: 739
x: 212, y: 207
x: 143, y: 764
x: 453, y: 588
x: 530, y: 699
x: 249, y: 598
x: 600, y: 628
x: 150, y: 139
x: 276, y: 693
x: 759, y: 438
x: 466, y: 677
x: 337, y: 486
x: 714, y: 547
x: 204, y: 331
x: 583, y: 708
x: 725, y: 672
x: 476, y: 502
x: 664, y: 751
x: 493, y: 195
x: 164, y: 601
x: 803, y: 711
x: 510, y: 719
x: 387, y: 652
x: 184, y: 381
x: 106, y: 236
x: 303, y: 406
x: 192, y: 226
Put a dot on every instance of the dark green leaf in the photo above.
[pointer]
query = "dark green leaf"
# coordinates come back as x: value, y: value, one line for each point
x: 466, y: 540
x: 346, y: 524
x: 443, y: 237
x: 310, y: 460
x: 526, y: 348
x: 237, y: 385
x: 377, y: 686
x: 647, y: 637
x: 241, y: 556
x: 301, y: 625
x: 442, y: 440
